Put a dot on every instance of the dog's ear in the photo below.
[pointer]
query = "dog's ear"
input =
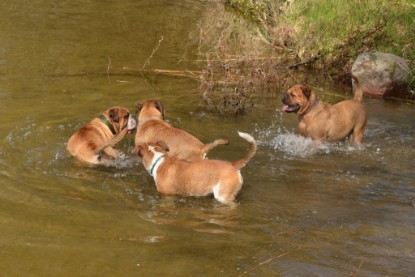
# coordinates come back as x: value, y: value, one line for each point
x: 160, y: 107
x: 163, y: 146
x: 137, y: 151
x: 138, y: 108
x: 113, y: 114
x: 306, y: 91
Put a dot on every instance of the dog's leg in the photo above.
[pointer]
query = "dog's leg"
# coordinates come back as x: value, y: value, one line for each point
x: 113, y: 141
x: 225, y: 191
x: 111, y: 152
x: 358, y: 134
x: 108, y: 149
x: 359, y: 129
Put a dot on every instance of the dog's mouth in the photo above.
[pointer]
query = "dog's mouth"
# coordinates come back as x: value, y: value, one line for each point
x: 291, y: 108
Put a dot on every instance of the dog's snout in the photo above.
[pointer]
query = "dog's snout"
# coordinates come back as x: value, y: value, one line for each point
x: 284, y: 98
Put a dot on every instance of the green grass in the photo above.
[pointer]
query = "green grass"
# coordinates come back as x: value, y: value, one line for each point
x: 322, y: 24
x: 337, y: 29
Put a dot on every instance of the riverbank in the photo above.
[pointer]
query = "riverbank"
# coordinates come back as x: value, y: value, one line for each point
x: 251, y: 48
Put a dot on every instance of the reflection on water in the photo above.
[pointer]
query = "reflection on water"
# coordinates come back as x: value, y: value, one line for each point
x: 305, y: 209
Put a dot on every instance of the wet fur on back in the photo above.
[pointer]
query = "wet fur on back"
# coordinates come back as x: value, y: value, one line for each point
x: 152, y: 128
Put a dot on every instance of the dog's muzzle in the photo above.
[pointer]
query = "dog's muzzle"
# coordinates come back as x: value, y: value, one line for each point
x: 288, y: 107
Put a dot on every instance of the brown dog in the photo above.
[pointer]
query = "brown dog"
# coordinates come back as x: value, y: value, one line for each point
x: 152, y: 128
x: 199, y: 178
x: 322, y: 121
x: 93, y: 143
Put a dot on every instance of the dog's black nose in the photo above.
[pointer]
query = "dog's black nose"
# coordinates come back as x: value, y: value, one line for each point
x: 284, y: 97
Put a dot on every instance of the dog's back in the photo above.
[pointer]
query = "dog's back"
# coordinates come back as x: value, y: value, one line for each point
x: 348, y: 116
x: 85, y: 143
x: 181, y: 144
x: 152, y: 128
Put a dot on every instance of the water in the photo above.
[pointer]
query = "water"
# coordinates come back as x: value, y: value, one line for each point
x: 305, y: 209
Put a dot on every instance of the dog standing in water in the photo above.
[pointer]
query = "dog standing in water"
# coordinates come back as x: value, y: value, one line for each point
x: 173, y: 176
x: 93, y: 143
x: 322, y: 121
x: 152, y: 128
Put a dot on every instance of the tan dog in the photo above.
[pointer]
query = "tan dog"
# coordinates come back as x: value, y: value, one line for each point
x: 322, y: 121
x: 152, y: 128
x: 199, y: 178
x: 93, y: 143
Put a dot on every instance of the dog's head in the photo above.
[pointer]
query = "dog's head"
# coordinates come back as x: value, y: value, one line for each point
x: 297, y: 99
x: 150, y: 108
x: 147, y: 151
x: 121, y: 118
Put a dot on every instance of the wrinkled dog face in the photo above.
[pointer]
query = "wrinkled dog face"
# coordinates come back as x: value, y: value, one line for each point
x: 119, y: 117
x: 295, y: 99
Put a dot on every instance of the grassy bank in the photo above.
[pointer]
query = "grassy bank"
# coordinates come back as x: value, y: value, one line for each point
x: 335, y: 29
x: 241, y: 42
x: 339, y: 30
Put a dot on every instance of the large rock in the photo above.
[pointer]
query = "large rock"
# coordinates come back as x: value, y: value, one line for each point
x: 382, y: 74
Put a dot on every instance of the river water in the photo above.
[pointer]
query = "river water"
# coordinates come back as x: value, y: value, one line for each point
x: 304, y: 210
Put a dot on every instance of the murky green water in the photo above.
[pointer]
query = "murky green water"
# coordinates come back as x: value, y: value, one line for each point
x: 328, y: 211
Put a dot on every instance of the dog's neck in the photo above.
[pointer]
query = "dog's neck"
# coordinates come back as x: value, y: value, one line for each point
x: 107, y: 123
x: 157, y: 160
x: 148, y: 118
x: 310, y: 108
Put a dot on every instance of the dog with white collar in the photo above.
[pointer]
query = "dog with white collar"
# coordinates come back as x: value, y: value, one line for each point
x: 174, y: 176
x: 152, y: 128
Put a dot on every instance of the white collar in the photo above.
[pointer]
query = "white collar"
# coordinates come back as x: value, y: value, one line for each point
x: 155, y: 165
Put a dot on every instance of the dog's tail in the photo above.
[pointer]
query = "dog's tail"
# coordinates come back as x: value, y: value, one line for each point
x: 358, y: 92
x: 251, y: 152
x: 212, y: 145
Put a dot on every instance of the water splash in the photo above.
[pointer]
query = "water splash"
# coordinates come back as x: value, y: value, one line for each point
x: 291, y: 145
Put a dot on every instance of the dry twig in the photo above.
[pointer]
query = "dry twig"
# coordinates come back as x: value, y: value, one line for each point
x: 273, y: 258
x: 354, y: 274
x: 154, y: 51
